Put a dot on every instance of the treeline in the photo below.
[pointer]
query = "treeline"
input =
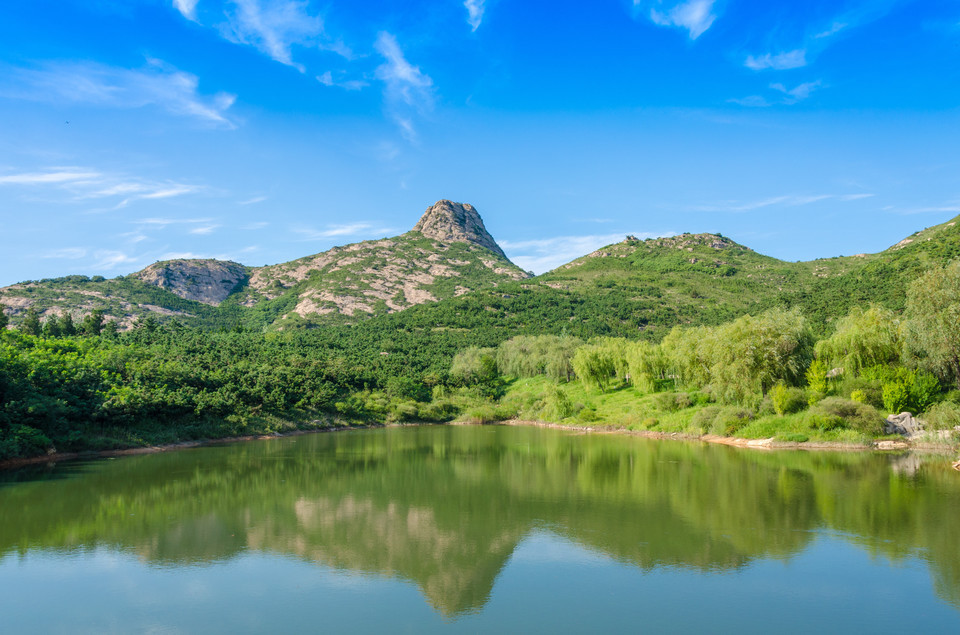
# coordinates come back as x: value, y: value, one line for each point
x: 82, y: 384
x: 875, y: 359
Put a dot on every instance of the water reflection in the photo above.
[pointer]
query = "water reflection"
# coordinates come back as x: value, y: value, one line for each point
x: 445, y: 507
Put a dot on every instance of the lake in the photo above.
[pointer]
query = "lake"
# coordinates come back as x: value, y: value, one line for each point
x: 481, y: 529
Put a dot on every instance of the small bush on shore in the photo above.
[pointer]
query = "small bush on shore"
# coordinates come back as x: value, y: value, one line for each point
x: 858, y: 416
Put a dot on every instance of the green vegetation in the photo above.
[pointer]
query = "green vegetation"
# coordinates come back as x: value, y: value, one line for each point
x: 679, y: 334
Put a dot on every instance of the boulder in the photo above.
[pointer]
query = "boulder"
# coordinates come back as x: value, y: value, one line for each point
x: 903, y: 423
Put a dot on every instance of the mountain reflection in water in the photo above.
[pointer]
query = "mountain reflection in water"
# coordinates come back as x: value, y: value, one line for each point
x: 446, y: 507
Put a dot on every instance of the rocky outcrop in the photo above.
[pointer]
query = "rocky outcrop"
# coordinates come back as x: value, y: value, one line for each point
x: 451, y: 222
x: 208, y: 281
x: 903, y: 423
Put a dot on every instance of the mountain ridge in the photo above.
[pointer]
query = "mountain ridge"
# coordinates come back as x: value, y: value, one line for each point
x: 646, y: 285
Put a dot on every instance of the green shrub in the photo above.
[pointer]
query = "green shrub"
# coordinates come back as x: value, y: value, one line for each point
x: 796, y: 437
x: 943, y: 416
x: 817, y: 376
x: 896, y: 396
x: 787, y: 400
x: 859, y: 416
x: 859, y: 396
x: 870, y: 388
x: 20, y: 440
x: 824, y: 422
x: 729, y: 420
x: 703, y: 420
x: 722, y: 421
x: 765, y: 409
x: 667, y: 401
x: 557, y: 405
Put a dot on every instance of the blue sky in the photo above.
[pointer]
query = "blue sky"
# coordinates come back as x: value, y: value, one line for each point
x: 261, y: 131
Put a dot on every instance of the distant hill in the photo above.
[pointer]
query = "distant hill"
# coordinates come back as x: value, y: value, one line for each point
x: 643, y: 288
x: 448, y: 273
x: 448, y: 253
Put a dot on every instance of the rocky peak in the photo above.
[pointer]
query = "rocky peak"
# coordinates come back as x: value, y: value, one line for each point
x: 204, y: 280
x: 447, y: 221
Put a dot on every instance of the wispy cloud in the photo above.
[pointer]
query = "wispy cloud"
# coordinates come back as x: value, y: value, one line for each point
x: 475, y: 9
x: 274, y: 28
x: 69, y: 253
x: 798, y: 93
x: 835, y: 28
x: 110, y: 259
x: 788, y: 200
x: 255, y: 226
x: 84, y: 184
x: 53, y: 176
x: 546, y: 254
x: 407, y: 89
x: 162, y: 223
x: 187, y: 7
x: 779, y: 61
x: 156, y: 84
x: 253, y: 201
x: 334, y: 231
x: 696, y: 16
x: 327, y: 79
x: 204, y: 230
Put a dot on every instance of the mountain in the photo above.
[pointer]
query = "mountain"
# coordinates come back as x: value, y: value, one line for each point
x: 448, y: 253
x: 449, y: 273
x: 644, y: 288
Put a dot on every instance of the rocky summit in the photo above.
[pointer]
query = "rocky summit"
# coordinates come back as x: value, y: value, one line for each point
x: 451, y: 222
x: 448, y: 253
x: 203, y: 280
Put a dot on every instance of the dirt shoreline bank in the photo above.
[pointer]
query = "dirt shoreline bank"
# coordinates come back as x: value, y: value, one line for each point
x: 885, y: 445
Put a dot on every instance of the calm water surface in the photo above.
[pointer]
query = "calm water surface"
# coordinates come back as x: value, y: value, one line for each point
x: 481, y: 529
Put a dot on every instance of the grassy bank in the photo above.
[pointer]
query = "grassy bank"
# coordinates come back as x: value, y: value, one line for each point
x: 690, y: 414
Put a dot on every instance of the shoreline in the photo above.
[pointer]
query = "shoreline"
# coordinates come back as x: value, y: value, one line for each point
x: 883, y: 445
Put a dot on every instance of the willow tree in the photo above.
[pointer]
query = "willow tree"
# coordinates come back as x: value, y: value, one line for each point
x: 863, y: 339
x: 932, y: 323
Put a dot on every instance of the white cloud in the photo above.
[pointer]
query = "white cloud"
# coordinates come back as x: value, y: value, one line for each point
x: 109, y: 259
x: 406, y: 86
x: 778, y: 62
x: 156, y: 84
x: 475, y: 9
x: 546, y: 254
x: 327, y: 79
x: 696, y: 16
x: 333, y: 231
x: 84, y: 184
x: 798, y: 93
x: 187, y: 7
x: 70, y: 253
x: 835, y: 28
x: 252, y: 201
x: 204, y: 230
x: 275, y: 27
x: 788, y: 200
x: 161, y: 223
x: 55, y: 176
x: 254, y: 226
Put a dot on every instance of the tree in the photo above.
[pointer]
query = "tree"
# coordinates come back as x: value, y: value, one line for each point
x: 4, y: 320
x: 863, y: 339
x: 31, y: 322
x: 93, y: 323
x: 51, y: 327
x: 932, y: 340
x: 67, y: 327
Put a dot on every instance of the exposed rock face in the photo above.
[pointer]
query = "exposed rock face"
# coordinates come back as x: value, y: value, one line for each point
x: 451, y: 222
x: 903, y: 423
x: 207, y: 281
